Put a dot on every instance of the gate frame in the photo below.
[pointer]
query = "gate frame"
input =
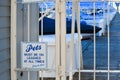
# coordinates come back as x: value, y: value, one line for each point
x: 13, y: 40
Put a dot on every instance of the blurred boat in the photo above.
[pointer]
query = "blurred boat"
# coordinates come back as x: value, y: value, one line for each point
x: 49, y: 27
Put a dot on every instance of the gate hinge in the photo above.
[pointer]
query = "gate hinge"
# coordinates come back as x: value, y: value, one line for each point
x: 59, y: 7
x: 59, y: 70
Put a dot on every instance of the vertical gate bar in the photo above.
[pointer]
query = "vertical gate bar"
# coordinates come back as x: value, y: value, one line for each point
x: 103, y: 8
x: 79, y: 38
x: 94, y: 42
x: 57, y: 35
x: 28, y: 22
x: 63, y: 39
x: 42, y: 22
x: 28, y: 75
x: 42, y: 75
x: 42, y: 33
x: 72, y: 41
x: 104, y: 12
x: 13, y: 40
x: 42, y: 30
x: 108, y: 40
x: 28, y: 32
x: 38, y: 72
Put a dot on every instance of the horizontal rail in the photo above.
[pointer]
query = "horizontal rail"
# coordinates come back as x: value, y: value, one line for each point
x: 86, y: 71
x: 20, y: 69
x: 71, y: 1
x: 97, y: 71
x: 101, y: 71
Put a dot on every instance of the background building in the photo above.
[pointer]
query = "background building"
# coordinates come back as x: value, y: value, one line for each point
x: 5, y: 26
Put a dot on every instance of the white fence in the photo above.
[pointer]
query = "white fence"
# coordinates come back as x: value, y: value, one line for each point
x: 65, y: 53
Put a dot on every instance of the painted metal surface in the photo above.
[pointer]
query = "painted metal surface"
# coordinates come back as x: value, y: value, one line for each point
x: 20, y: 32
x: 61, y: 44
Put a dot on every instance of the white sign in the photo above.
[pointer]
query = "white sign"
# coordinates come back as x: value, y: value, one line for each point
x: 33, y: 55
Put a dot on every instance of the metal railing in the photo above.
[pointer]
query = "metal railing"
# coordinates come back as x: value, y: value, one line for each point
x: 61, y: 41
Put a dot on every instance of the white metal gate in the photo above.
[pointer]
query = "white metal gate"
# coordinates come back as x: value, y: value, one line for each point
x: 60, y: 70
x: 61, y: 42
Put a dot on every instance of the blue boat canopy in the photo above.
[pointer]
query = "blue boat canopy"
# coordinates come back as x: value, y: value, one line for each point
x: 49, y: 27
